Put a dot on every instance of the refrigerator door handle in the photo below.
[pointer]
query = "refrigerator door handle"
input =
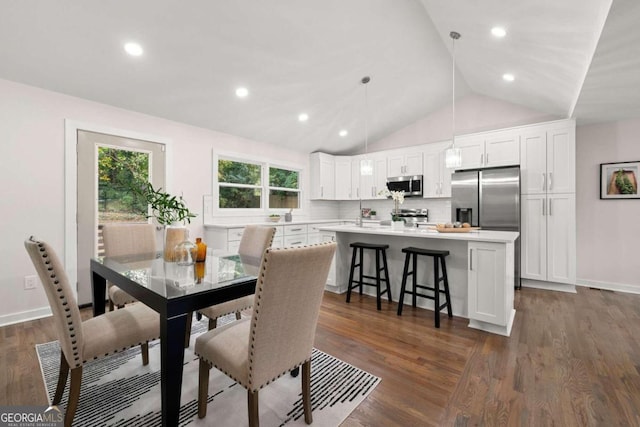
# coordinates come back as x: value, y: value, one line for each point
x: 544, y: 207
x: 544, y: 181
x: 550, y: 184
x: 550, y: 204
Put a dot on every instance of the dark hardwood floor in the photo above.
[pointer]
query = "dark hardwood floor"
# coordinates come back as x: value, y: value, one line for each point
x: 571, y: 360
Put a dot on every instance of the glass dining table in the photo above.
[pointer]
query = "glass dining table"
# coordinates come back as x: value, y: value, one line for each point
x: 174, y: 291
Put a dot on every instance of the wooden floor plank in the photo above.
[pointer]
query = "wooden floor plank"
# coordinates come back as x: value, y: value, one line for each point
x: 571, y: 360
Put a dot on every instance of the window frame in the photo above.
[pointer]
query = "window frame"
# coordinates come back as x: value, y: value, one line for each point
x: 265, y: 186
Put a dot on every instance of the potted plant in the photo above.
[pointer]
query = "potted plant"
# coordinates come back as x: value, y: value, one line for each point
x: 171, y: 212
x: 398, y: 198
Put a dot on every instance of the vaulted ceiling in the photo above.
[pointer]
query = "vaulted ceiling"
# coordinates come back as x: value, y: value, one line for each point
x: 570, y: 58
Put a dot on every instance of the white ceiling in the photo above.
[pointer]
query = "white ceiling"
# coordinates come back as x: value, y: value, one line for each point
x: 302, y: 56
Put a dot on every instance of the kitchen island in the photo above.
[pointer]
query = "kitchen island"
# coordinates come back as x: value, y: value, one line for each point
x: 480, y: 268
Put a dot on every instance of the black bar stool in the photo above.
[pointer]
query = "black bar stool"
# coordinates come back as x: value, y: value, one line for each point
x: 412, y: 255
x: 381, y: 252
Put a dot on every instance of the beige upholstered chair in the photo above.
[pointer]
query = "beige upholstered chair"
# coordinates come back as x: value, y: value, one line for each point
x: 255, y: 240
x: 280, y: 334
x: 81, y: 341
x: 126, y: 239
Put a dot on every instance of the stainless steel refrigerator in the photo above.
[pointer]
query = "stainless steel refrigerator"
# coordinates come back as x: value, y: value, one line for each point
x: 490, y: 199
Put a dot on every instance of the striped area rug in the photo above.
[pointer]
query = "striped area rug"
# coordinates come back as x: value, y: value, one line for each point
x: 119, y: 391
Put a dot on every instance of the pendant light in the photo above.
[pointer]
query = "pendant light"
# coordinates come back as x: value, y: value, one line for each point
x: 453, y: 155
x: 366, y: 165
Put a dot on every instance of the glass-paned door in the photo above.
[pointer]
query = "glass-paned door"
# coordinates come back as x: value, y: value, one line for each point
x: 109, y: 168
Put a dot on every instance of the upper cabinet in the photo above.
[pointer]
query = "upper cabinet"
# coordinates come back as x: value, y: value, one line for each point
x: 399, y: 164
x: 436, y: 179
x: 343, y: 190
x: 489, y: 149
x: 371, y: 185
x: 548, y: 159
x: 322, y: 176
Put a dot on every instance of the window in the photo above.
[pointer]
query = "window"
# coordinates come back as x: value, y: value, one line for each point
x: 241, y: 185
x: 284, y: 188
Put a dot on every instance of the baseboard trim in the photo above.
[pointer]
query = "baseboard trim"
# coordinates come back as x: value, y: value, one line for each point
x: 25, y: 316
x: 616, y: 287
x: 549, y: 286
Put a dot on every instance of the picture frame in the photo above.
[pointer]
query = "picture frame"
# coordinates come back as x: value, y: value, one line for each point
x: 619, y: 180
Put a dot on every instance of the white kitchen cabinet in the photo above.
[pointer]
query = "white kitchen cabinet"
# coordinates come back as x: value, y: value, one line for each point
x: 322, y: 176
x: 547, y: 160
x: 228, y: 239
x: 371, y: 185
x: 343, y: 190
x: 436, y: 179
x: 548, y: 237
x: 400, y: 164
x: 489, y: 283
x: 490, y: 149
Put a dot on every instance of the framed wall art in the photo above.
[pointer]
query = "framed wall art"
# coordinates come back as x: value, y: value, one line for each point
x: 619, y: 180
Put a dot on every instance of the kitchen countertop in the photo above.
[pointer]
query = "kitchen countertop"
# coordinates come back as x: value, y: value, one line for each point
x: 476, y: 235
x: 281, y: 222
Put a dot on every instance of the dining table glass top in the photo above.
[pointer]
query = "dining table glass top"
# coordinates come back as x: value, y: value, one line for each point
x: 172, y: 280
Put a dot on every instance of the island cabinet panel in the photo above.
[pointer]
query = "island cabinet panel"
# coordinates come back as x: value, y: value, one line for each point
x: 487, y: 286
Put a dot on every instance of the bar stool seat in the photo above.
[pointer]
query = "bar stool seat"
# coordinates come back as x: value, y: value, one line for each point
x: 438, y: 261
x: 381, y: 255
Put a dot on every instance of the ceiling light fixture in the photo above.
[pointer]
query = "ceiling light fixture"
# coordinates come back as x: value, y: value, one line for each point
x: 343, y: 133
x: 242, y: 92
x: 133, y: 49
x: 453, y: 155
x: 498, y: 32
x: 508, y: 77
x: 366, y: 165
x: 303, y: 117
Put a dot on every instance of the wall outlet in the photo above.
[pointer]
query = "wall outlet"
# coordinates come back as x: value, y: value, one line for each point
x: 30, y: 282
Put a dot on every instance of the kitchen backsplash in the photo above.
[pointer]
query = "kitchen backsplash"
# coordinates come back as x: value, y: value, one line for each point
x: 439, y: 210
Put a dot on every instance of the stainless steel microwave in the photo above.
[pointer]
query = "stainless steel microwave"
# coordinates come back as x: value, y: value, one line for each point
x: 411, y: 185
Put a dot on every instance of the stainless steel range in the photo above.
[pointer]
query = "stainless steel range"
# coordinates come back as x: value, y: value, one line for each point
x: 414, y: 217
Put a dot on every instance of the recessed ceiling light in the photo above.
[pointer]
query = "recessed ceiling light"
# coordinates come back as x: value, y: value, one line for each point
x: 498, y: 31
x: 133, y: 49
x: 242, y: 92
x: 303, y: 117
x: 343, y: 133
x: 508, y: 77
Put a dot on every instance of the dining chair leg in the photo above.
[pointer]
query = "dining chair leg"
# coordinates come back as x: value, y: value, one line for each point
x: 62, y: 379
x: 187, y: 334
x: 252, y: 398
x: 203, y: 388
x: 111, y: 308
x: 238, y: 315
x: 74, y: 395
x: 306, y: 391
x: 213, y: 323
x: 144, y: 350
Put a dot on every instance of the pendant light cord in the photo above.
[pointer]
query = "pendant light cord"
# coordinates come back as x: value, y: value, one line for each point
x: 454, y: 36
x: 364, y: 81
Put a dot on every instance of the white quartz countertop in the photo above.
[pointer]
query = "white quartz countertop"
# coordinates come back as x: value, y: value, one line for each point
x: 476, y: 235
x: 281, y: 222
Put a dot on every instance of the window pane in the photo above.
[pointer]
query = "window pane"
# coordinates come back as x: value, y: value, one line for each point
x: 283, y: 199
x: 239, y: 198
x: 283, y: 178
x: 118, y: 172
x: 238, y: 172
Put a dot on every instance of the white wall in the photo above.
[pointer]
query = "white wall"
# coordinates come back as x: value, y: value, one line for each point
x: 32, y: 175
x: 474, y: 113
x: 608, y: 231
